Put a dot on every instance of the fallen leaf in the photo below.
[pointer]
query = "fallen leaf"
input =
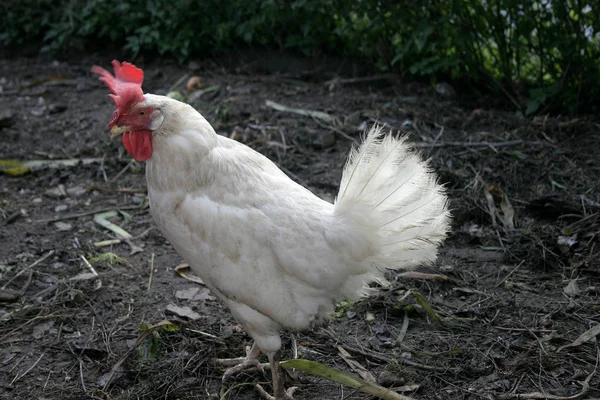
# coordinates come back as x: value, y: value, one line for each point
x: 572, y: 288
x: 186, y: 294
x: 356, y: 366
x: 426, y: 306
x: 183, y: 271
x: 195, y: 294
x: 584, y: 337
x: 494, y: 194
x: 508, y: 212
x: 317, y: 369
x: 403, y: 330
x: 567, y: 240
x: 491, y: 206
x: 203, y: 295
x: 166, y: 324
x: 102, y: 220
x: 40, y: 329
x: 184, y: 312
x: 18, y: 168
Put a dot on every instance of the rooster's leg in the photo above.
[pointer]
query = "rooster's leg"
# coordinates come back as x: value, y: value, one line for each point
x: 279, y: 391
x: 241, y: 363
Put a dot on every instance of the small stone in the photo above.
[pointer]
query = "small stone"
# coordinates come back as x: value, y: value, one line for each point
x: 56, y: 108
x: 37, y: 200
x: 38, y: 111
x: 63, y: 226
x: 194, y: 83
x: 15, y: 216
x: 322, y: 139
x: 61, y: 208
x: 135, y: 199
x: 572, y: 288
x: 6, y: 118
x: 76, y: 191
x: 111, y: 376
x: 58, y: 191
x: 447, y: 268
x: 445, y: 90
x: 389, y: 379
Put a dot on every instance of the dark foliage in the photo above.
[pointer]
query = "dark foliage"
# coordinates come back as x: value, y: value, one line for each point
x: 540, y: 56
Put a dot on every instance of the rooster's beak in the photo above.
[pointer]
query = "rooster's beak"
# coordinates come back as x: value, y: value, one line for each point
x: 118, y: 130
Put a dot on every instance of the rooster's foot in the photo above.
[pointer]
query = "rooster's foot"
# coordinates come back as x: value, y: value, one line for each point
x: 241, y: 363
x: 286, y: 395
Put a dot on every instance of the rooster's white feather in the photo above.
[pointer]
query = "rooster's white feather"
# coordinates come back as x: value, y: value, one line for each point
x: 277, y: 255
x: 392, y: 190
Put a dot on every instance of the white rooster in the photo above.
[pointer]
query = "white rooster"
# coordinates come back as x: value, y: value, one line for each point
x: 277, y: 255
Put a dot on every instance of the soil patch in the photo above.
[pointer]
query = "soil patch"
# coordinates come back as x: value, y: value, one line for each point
x: 522, y: 276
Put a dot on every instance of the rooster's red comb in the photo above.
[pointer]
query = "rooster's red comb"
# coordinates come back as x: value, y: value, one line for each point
x: 126, y: 85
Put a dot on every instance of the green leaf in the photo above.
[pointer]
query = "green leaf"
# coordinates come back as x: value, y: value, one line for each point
x: 532, y: 107
x: 320, y: 370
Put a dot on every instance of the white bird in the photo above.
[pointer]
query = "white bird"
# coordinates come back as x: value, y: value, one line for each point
x: 277, y: 255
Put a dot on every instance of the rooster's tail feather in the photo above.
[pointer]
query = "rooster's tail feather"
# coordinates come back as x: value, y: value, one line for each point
x: 395, y: 195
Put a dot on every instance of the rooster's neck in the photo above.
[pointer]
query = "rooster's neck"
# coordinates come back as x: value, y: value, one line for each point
x: 179, y: 160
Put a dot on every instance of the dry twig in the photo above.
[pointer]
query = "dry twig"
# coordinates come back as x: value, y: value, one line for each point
x: 471, y: 144
x: 34, y: 264
x: 17, y: 377
x: 585, y: 387
x: 87, y: 213
x: 301, y: 111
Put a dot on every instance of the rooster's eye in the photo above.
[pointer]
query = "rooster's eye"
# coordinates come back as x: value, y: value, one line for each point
x: 142, y: 113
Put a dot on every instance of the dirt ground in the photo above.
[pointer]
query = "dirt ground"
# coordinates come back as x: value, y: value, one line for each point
x: 517, y: 280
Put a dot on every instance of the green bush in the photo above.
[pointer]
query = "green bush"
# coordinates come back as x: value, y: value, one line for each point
x: 540, y: 55
x: 550, y: 47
